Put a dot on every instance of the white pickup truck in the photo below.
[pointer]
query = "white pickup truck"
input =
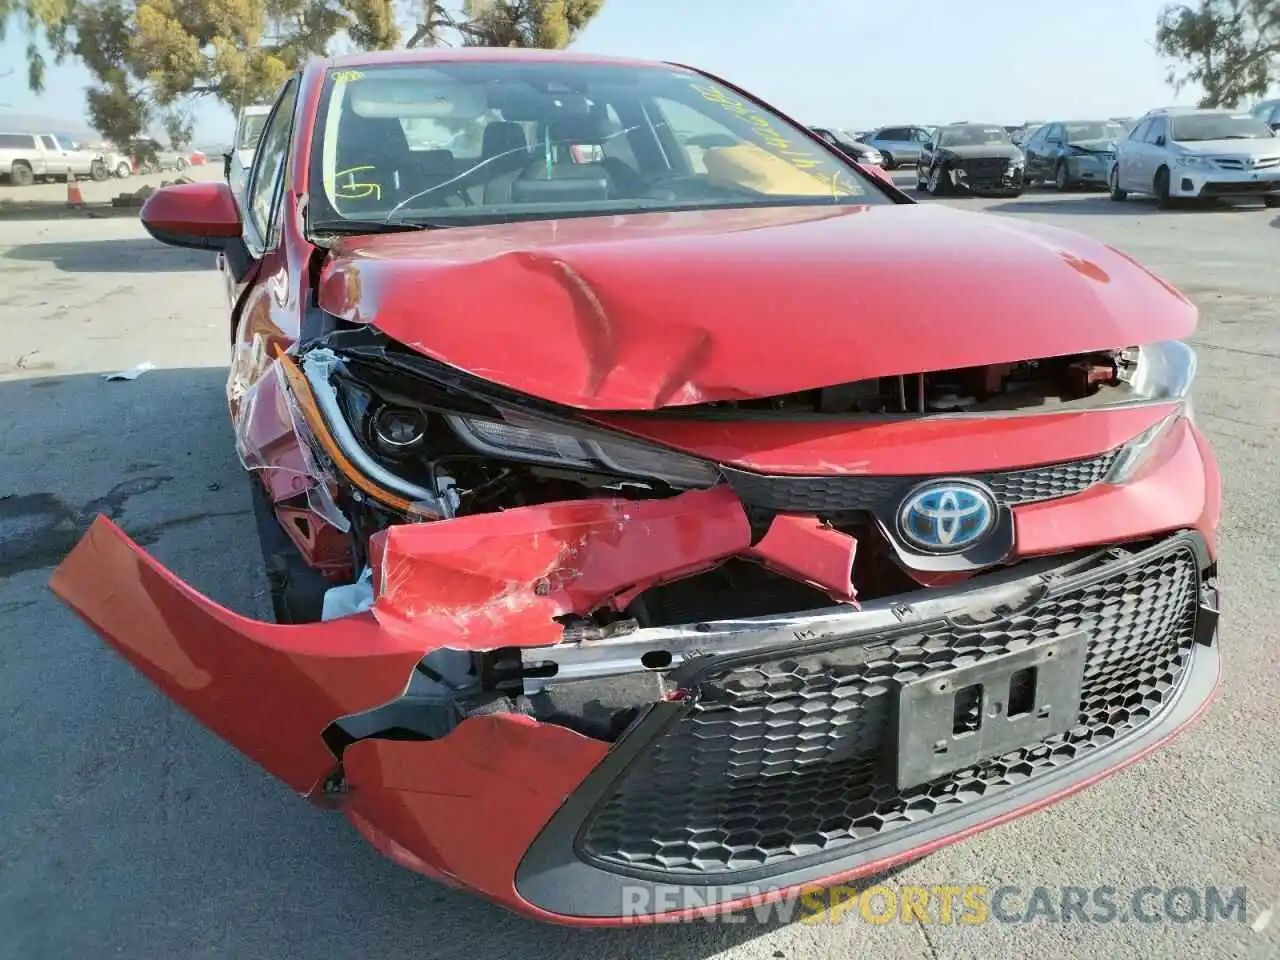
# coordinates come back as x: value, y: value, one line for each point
x: 28, y: 157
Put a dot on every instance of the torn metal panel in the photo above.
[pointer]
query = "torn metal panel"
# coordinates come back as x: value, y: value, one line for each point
x: 809, y: 550
x: 467, y: 806
x: 274, y: 440
x: 268, y: 690
x: 500, y: 579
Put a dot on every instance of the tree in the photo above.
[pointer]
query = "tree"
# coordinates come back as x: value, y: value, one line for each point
x: 150, y: 58
x: 551, y: 24
x: 1231, y: 48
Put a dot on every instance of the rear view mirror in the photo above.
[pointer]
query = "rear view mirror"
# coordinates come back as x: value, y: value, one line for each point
x: 203, y: 216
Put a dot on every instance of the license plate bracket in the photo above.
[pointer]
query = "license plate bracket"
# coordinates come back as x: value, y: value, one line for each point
x: 951, y: 720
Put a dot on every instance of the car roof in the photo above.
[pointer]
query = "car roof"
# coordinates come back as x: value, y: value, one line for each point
x: 481, y: 54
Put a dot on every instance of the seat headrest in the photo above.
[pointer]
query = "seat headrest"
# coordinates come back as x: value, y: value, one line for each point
x: 582, y: 129
x: 502, y: 136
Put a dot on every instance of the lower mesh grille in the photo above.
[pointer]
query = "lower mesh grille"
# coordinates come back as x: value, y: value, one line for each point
x: 790, y: 758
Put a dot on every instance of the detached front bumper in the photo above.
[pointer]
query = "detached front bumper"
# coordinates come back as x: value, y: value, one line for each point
x: 766, y: 754
x: 1206, y: 182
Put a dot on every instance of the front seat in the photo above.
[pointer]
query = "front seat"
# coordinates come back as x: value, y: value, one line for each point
x: 373, y: 164
x: 504, y: 152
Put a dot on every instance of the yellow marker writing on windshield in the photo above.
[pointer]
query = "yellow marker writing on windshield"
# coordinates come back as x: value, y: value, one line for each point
x: 353, y: 189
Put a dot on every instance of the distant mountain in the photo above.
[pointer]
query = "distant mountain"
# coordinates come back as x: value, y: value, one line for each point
x: 42, y: 123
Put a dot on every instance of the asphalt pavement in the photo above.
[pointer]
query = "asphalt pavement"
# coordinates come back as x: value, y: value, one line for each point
x: 128, y: 830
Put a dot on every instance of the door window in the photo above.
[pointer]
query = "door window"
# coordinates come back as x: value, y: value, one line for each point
x: 269, y: 165
x: 49, y: 143
x: 1156, y: 130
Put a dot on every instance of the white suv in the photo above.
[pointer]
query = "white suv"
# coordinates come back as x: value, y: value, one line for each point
x: 1188, y: 153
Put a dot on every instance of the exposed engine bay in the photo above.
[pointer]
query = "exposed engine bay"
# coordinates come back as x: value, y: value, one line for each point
x: 397, y: 443
x: 1055, y: 382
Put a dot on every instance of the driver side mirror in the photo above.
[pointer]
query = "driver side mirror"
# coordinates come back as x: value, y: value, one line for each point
x: 928, y: 145
x: 1160, y: 141
x: 202, y: 216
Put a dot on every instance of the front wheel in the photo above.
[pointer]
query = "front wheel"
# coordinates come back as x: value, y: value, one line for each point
x: 936, y: 181
x: 124, y: 169
x: 1116, y: 193
x: 1062, y: 177
x: 180, y: 164
x: 1271, y: 201
x: 889, y: 162
x: 1161, y: 189
x: 98, y: 171
x: 21, y: 175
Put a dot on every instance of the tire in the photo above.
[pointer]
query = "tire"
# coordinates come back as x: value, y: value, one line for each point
x: 21, y: 175
x: 297, y: 589
x: 921, y: 184
x: 889, y: 162
x: 1114, y: 181
x: 1062, y: 177
x: 98, y: 171
x: 1271, y: 201
x: 124, y: 169
x: 180, y: 164
x: 935, y: 187
x: 1160, y: 187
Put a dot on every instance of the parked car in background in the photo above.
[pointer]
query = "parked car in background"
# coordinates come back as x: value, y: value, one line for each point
x: 971, y: 157
x: 1184, y: 152
x: 237, y: 162
x: 149, y: 156
x: 1268, y: 111
x: 28, y: 157
x: 900, y: 146
x: 1071, y: 153
x: 848, y: 144
x: 561, y: 470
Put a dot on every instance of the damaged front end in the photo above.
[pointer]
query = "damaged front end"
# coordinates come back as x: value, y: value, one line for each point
x: 543, y: 656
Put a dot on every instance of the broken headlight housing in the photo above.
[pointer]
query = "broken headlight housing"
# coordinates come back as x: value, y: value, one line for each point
x: 1155, y: 372
x: 535, y: 441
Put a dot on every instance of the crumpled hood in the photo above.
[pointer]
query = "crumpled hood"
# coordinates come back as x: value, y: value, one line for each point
x: 662, y: 309
x: 1098, y: 145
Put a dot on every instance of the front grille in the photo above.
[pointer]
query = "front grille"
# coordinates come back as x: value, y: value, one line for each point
x: 1237, y: 163
x: 882, y: 494
x: 1247, y: 187
x: 784, y: 761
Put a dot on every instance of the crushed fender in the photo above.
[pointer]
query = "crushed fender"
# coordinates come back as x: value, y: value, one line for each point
x: 501, y: 579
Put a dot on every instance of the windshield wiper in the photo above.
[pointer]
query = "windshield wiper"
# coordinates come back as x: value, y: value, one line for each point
x: 358, y: 227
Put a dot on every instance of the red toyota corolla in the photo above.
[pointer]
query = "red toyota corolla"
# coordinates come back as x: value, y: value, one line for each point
x: 661, y: 512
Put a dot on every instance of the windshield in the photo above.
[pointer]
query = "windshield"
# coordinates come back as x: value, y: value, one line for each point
x: 1219, y: 126
x: 1094, y: 131
x: 474, y: 142
x: 250, y: 131
x: 972, y: 135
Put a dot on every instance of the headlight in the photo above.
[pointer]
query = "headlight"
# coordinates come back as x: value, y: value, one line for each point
x: 1138, y: 450
x: 1156, y: 372
x: 519, y: 438
x: 1189, y: 161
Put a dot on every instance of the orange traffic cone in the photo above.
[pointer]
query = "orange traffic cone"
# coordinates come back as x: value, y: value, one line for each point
x: 74, y: 198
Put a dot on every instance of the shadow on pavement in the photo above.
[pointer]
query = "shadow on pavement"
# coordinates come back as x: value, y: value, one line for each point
x: 111, y: 255
x: 167, y: 841
x: 1101, y: 204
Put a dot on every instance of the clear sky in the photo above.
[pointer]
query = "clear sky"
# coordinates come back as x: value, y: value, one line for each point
x: 854, y: 63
